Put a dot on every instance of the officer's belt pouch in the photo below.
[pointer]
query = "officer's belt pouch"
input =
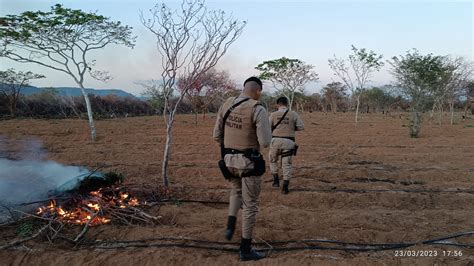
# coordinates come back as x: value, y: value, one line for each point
x: 259, y: 165
x: 255, y: 158
x: 224, y: 170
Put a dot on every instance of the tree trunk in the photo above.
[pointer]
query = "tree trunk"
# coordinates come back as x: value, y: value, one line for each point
x: 465, y: 109
x: 357, y: 110
x: 12, y: 108
x: 415, y: 126
x: 89, y: 112
x: 440, y: 115
x: 164, y: 109
x: 451, y: 109
x: 169, y: 139
x: 12, y: 113
x: 291, y: 100
x: 195, y: 118
x: 167, y: 151
x: 432, y: 113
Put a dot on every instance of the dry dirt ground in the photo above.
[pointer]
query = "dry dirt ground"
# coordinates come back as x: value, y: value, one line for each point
x: 370, y: 184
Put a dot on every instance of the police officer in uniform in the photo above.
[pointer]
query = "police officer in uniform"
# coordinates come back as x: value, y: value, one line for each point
x: 245, y: 131
x: 284, y: 123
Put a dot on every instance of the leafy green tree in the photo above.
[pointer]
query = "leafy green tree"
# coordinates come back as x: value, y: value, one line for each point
x: 62, y: 39
x: 11, y: 83
x: 356, y: 70
x: 417, y: 75
x: 287, y: 75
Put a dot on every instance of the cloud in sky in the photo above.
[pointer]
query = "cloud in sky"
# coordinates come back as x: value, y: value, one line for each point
x: 312, y: 31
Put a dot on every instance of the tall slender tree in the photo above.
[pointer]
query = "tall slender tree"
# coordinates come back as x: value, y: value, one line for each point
x: 62, y: 39
x: 355, y: 71
x: 190, y: 40
x: 287, y: 75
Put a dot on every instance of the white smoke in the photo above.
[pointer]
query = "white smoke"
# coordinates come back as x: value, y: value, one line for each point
x: 25, y: 181
x: 26, y: 177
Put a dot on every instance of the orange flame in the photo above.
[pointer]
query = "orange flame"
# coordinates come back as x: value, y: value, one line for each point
x: 82, y: 212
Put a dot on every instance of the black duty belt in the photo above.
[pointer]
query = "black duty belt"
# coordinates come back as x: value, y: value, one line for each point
x: 234, y: 151
x: 290, y: 138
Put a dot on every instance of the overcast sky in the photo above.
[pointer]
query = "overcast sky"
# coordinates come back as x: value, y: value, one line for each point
x: 312, y: 31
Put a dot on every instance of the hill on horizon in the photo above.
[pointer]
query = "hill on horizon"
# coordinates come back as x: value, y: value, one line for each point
x: 75, y: 91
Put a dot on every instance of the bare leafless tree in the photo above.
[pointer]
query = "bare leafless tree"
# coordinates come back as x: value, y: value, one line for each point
x: 190, y: 40
x: 469, y: 94
x: 463, y: 71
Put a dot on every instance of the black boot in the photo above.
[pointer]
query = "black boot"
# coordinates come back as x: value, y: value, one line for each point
x: 229, y: 232
x: 284, y: 189
x: 247, y: 253
x: 276, y: 180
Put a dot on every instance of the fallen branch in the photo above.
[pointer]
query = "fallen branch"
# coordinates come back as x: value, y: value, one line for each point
x: 144, y: 214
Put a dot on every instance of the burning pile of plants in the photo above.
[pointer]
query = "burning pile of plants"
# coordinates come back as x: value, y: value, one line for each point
x: 99, y: 207
x: 95, y: 200
x: 87, y: 200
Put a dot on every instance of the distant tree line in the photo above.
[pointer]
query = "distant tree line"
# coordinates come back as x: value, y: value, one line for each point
x: 333, y: 98
x: 207, y: 96
x: 51, y: 105
x: 422, y: 83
